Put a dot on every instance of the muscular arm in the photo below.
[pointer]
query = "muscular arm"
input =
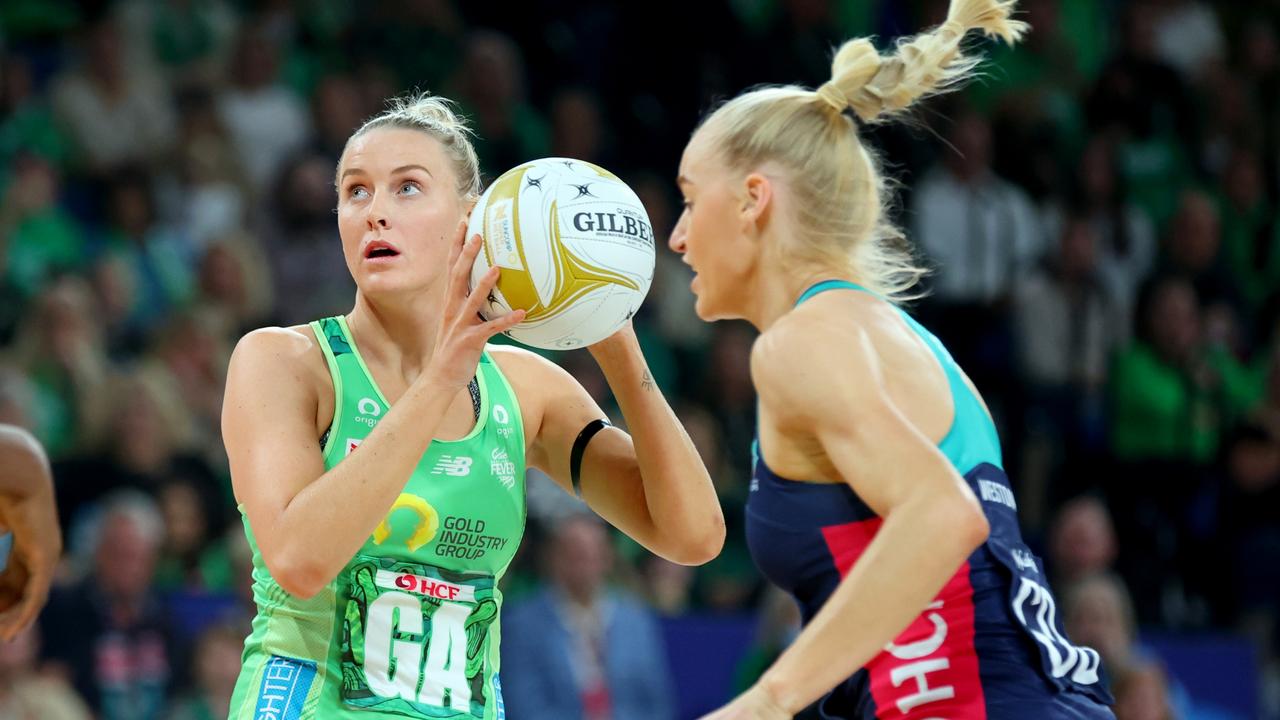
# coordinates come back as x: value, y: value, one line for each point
x: 651, y: 483
x: 932, y: 522
x: 28, y: 511
x: 309, y: 522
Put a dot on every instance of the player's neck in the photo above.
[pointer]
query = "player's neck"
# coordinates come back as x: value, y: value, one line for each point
x: 397, y: 334
x: 778, y: 292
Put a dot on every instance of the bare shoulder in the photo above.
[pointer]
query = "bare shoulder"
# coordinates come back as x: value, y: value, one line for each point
x: 24, y: 467
x: 517, y: 359
x: 820, y: 354
x: 287, y: 345
x: 535, y: 380
x: 550, y: 398
x: 19, y: 440
x: 20, y: 449
x: 289, y: 355
x: 283, y: 363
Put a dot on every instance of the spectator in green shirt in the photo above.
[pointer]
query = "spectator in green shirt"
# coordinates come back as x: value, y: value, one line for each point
x: 37, y: 238
x: 58, y: 347
x: 1169, y: 390
x: 26, y: 122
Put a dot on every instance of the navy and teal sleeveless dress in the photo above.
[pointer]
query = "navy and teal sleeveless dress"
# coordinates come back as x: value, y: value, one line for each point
x: 990, y: 646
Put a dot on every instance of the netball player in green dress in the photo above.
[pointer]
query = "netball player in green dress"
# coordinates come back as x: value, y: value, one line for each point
x: 379, y: 457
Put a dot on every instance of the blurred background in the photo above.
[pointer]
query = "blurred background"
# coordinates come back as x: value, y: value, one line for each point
x: 1100, y: 208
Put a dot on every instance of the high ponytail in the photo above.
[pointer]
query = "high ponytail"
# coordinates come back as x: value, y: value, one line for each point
x: 876, y: 86
x: 840, y: 193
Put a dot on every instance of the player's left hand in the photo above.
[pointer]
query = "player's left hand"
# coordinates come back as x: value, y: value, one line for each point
x: 754, y: 704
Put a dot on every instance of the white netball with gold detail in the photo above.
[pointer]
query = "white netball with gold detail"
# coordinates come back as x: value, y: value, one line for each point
x: 575, y: 247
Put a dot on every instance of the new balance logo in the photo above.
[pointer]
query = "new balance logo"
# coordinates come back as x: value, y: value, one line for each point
x: 455, y: 465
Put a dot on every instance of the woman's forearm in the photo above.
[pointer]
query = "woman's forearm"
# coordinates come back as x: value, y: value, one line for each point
x: 678, y: 491
x: 326, y: 523
x: 916, y: 551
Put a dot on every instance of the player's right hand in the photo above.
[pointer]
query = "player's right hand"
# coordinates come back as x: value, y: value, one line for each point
x: 463, y: 331
x: 754, y: 704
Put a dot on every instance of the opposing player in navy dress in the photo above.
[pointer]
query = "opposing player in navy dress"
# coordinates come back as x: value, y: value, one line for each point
x: 879, y: 498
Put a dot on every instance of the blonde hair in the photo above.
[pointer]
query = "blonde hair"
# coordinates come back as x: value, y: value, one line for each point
x: 840, y: 192
x: 435, y: 116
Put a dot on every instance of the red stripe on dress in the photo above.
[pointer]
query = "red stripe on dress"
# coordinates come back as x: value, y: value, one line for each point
x: 930, y: 670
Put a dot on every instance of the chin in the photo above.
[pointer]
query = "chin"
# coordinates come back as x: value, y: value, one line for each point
x: 388, y: 287
x: 708, y: 311
x: 376, y: 284
x: 701, y: 308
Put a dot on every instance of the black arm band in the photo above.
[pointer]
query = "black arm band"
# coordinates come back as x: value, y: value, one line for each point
x: 579, y: 447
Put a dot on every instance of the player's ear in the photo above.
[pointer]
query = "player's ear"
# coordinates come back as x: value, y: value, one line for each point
x: 757, y: 199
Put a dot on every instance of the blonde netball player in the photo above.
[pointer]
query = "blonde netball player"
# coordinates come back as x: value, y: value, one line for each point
x: 878, y: 498
x: 379, y: 456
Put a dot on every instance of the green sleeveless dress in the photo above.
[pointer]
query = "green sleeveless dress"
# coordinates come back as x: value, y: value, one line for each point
x: 409, y: 628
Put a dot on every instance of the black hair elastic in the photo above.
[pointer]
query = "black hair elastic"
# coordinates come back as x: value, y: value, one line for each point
x: 579, y: 447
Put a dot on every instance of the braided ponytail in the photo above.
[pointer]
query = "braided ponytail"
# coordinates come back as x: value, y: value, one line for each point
x: 840, y: 192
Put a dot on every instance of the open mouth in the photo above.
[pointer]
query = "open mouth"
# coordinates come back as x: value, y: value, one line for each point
x: 379, y: 249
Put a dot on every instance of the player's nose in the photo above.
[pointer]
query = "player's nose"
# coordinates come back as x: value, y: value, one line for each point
x: 378, y: 218
x: 676, y: 241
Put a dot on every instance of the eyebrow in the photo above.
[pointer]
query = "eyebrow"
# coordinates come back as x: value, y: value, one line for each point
x: 682, y: 180
x: 406, y: 168
x: 397, y: 171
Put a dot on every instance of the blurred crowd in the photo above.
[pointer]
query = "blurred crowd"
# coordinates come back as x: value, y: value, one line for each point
x: 1100, y: 209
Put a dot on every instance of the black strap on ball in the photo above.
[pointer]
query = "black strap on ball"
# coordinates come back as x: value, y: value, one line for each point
x: 579, y: 447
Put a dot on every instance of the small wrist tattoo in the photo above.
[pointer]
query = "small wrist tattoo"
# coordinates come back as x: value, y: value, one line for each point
x: 646, y: 382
